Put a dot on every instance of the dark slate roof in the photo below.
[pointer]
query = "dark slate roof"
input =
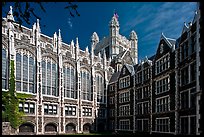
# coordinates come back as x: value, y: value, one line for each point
x: 135, y: 67
x: 151, y: 58
x: 172, y: 41
x: 130, y: 68
x: 177, y: 42
x: 114, y: 77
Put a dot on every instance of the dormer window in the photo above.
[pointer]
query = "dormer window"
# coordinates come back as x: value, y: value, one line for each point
x: 123, y: 71
x: 161, y: 48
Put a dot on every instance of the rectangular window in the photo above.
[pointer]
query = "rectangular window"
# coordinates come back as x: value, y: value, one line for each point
x: 124, y: 97
x: 87, y: 111
x: 124, y: 124
x: 139, y: 94
x: 163, y: 104
x: 162, y: 85
x: 139, y: 109
x: 184, y: 76
x: 162, y: 64
x: 188, y: 99
x: 162, y: 124
x: 142, y: 125
x: 124, y: 110
x: 50, y: 109
x: 124, y: 82
x: 27, y: 107
x: 70, y: 110
x: 111, y: 100
x: 112, y: 112
x: 193, y: 71
x: 188, y: 125
x: 101, y: 113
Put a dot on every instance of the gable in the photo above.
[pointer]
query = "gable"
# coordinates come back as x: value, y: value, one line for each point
x: 127, y: 59
x: 163, y: 48
x: 124, y: 71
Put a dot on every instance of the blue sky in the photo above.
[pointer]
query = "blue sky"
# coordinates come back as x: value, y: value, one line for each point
x: 147, y: 19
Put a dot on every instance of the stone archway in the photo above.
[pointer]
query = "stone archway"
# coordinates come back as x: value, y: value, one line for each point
x: 87, y: 128
x: 50, y: 128
x: 70, y: 128
x: 27, y: 129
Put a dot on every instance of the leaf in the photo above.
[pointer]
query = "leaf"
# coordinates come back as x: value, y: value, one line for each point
x: 27, y: 6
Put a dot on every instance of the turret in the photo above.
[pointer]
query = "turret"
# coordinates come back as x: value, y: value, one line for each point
x: 133, y: 46
x: 77, y: 49
x: 114, y: 25
x: 94, y: 41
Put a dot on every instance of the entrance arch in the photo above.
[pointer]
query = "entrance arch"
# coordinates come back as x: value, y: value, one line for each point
x: 70, y: 128
x: 51, y: 128
x: 87, y: 128
x: 26, y: 128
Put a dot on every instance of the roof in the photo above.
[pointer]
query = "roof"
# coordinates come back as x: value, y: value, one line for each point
x: 130, y: 69
x: 114, y: 77
x: 172, y: 41
x: 177, y: 42
x: 151, y: 58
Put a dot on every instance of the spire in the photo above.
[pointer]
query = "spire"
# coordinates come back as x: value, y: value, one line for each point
x: 72, y: 43
x: 87, y: 51
x: 10, y: 15
x: 38, y: 25
x: 34, y: 27
x: 77, y: 43
x: 99, y: 56
x: 104, y: 57
x: 94, y: 37
x: 72, y: 46
x: 59, y: 35
x: 114, y: 20
x: 133, y: 35
x: 55, y: 39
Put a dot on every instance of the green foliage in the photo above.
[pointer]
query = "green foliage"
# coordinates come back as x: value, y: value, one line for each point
x: 11, y: 102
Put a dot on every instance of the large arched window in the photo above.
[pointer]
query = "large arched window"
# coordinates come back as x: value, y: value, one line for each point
x: 100, y: 88
x: 25, y: 73
x: 49, y: 77
x: 86, y: 92
x: 4, y: 68
x: 69, y: 81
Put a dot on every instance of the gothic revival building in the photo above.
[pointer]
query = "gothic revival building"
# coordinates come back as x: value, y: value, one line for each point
x: 76, y: 91
x: 68, y: 85
x: 143, y: 92
x: 188, y: 83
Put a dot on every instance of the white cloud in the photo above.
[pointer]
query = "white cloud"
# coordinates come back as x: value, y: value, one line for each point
x: 69, y: 23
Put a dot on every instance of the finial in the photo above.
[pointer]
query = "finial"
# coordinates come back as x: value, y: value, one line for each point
x: 59, y: 33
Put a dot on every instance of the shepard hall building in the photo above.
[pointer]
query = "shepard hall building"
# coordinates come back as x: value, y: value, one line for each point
x: 104, y: 88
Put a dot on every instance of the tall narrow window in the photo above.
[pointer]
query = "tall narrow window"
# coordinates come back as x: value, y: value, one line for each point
x: 4, y: 69
x: 86, y: 92
x: 49, y: 77
x: 69, y: 82
x: 25, y: 73
x: 100, y: 88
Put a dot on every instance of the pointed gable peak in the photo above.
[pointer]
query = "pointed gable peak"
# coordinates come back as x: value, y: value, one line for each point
x: 10, y: 15
x: 185, y: 28
x: 195, y: 16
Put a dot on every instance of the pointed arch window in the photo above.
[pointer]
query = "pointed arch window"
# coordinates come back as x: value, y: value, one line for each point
x: 25, y: 73
x: 100, y: 88
x: 86, y: 92
x: 4, y: 68
x: 49, y: 77
x: 69, y: 82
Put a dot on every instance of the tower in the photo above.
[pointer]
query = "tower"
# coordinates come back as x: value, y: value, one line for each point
x: 133, y: 46
x: 114, y: 33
